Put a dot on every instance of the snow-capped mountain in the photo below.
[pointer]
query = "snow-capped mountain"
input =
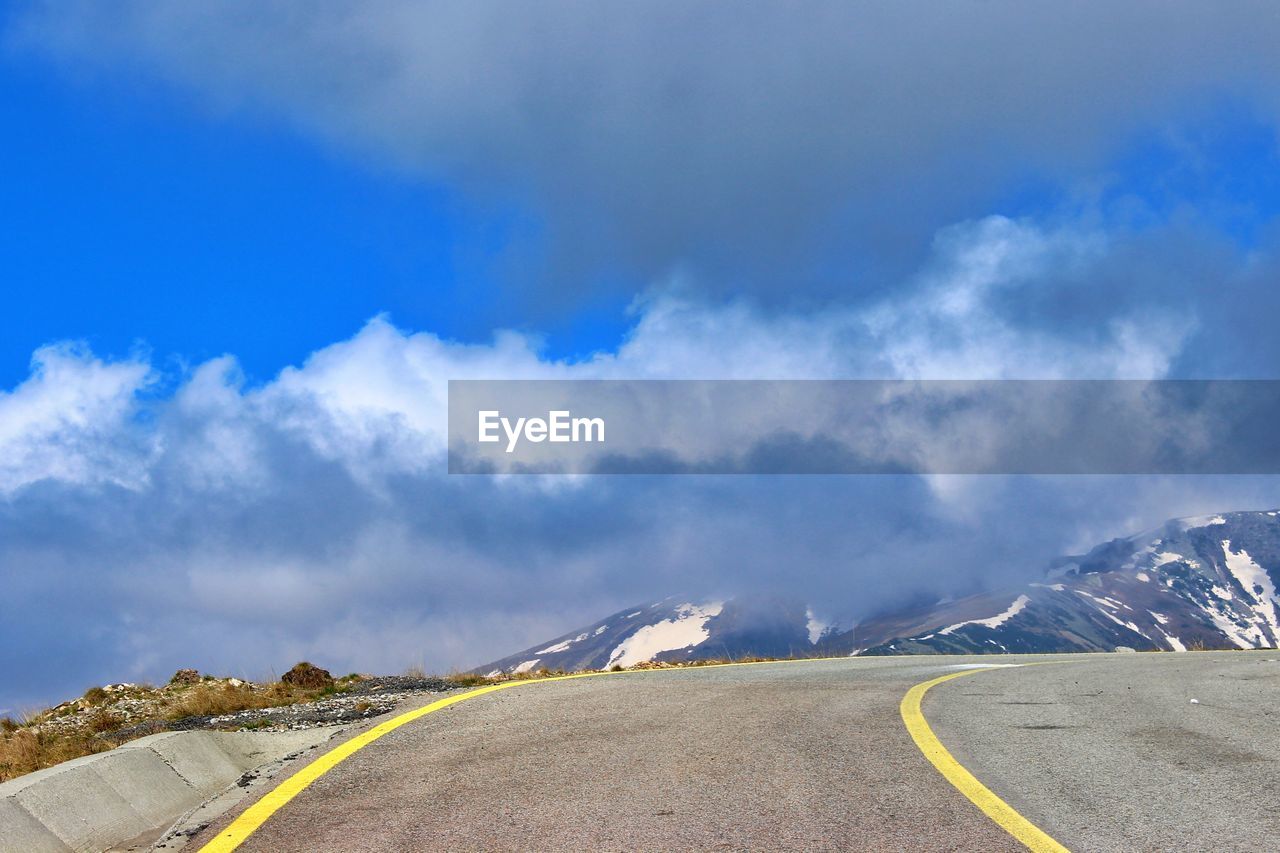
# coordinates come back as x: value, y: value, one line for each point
x: 1207, y: 582
x: 672, y: 629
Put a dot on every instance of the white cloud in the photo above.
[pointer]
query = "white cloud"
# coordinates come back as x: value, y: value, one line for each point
x: 950, y: 327
x: 377, y: 403
x: 70, y: 421
x: 385, y: 392
x: 312, y: 516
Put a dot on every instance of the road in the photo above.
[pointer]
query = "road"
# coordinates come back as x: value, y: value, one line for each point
x: 1103, y: 752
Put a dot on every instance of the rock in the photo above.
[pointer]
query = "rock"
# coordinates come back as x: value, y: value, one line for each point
x: 307, y: 675
x: 186, y: 677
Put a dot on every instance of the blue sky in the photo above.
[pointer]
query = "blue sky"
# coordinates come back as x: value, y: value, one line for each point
x: 132, y: 219
x: 245, y: 245
x: 138, y: 217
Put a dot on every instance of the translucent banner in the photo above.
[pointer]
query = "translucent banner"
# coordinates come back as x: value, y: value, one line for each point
x: 864, y: 427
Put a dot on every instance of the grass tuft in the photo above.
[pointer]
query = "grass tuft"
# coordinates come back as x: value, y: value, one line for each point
x: 468, y: 679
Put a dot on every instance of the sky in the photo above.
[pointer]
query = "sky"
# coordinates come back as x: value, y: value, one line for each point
x: 244, y: 247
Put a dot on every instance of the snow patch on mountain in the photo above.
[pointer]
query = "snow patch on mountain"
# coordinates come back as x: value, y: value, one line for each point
x: 564, y: 644
x: 1122, y: 623
x: 995, y: 621
x: 1257, y: 585
x: 685, y: 630
x: 1244, y: 637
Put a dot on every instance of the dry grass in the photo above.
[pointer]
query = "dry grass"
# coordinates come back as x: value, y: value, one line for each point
x: 104, y: 721
x: 23, y: 751
x: 25, y: 746
x: 41, y: 740
x: 468, y: 679
x: 213, y: 700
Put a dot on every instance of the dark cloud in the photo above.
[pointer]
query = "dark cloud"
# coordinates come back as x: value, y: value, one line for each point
x: 770, y: 147
x: 244, y: 542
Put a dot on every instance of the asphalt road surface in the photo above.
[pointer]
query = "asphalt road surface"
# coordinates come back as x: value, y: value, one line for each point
x: 1103, y: 752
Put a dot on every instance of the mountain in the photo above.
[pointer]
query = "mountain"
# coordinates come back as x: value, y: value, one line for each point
x: 1206, y: 582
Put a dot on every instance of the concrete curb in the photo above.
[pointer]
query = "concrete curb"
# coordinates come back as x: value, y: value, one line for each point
x: 136, y: 790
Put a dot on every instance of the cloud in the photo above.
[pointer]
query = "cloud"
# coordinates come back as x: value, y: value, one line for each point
x: 64, y: 421
x: 953, y: 327
x: 760, y: 146
x: 151, y: 521
x: 377, y: 402
x: 814, y: 193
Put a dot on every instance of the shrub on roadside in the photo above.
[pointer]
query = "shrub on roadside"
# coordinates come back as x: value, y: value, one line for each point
x: 307, y: 675
x: 104, y: 721
x: 185, y: 677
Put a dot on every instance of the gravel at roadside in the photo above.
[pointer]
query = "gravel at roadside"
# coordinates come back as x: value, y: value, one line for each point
x: 371, y: 697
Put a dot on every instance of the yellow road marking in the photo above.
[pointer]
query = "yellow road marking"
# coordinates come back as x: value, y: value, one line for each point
x: 965, y: 782
x: 997, y: 809
x: 254, y: 816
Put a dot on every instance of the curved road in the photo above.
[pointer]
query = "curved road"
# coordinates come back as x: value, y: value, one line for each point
x: 1102, y: 752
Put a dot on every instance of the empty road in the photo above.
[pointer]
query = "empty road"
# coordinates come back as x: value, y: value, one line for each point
x: 1102, y: 752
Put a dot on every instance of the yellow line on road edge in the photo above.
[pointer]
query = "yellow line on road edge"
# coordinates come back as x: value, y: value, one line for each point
x: 965, y: 782
x: 254, y: 816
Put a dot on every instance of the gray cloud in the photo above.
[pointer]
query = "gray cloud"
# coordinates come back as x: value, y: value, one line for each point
x: 770, y: 146
x: 240, y: 529
x: 128, y: 585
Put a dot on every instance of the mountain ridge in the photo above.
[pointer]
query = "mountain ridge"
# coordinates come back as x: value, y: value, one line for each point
x: 1200, y: 582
